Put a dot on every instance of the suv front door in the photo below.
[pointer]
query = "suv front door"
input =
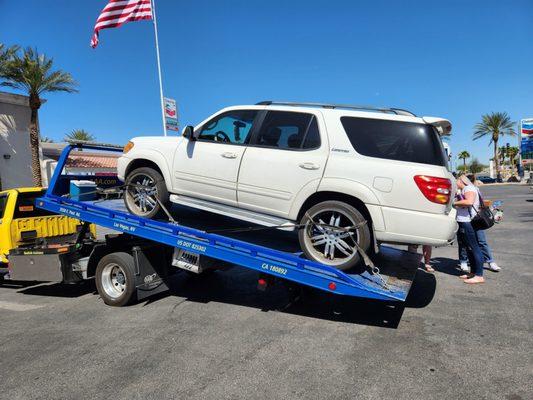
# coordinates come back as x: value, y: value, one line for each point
x: 208, y: 167
x: 286, y: 156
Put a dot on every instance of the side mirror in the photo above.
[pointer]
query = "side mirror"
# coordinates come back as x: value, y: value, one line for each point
x: 188, y: 132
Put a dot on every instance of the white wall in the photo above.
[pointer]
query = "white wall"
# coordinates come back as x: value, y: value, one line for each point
x: 15, y: 155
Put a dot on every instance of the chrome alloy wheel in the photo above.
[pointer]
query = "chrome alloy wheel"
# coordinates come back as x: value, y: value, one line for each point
x: 329, y: 245
x: 142, y: 191
x: 113, y: 280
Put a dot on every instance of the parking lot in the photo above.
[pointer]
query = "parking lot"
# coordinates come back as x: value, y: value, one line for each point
x: 217, y: 337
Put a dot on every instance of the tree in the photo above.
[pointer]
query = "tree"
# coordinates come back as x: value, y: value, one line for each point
x: 32, y: 73
x: 463, y: 155
x: 45, y: 139
x: 502, y: 153
x: 476, y: 167
x: 494, y: 125
x: 512, y: 152
x: 80, y: 135
x: 6, y: 54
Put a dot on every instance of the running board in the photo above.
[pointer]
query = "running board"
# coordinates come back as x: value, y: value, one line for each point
x: 233, y: 212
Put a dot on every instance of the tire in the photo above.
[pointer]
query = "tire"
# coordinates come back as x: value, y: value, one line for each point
x: 340, y: 214
x: 152, y: 185
x: 115, y: 279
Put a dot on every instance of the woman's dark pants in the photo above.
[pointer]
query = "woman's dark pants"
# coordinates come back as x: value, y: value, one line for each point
x: 466, y: 236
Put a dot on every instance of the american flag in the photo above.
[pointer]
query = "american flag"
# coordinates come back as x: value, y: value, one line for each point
x: 118, y: 12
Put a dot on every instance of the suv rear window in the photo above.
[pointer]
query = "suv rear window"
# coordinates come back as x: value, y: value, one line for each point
x: 395, y: 140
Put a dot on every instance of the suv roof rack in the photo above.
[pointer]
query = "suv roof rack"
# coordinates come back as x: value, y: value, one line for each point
x: 397, y: 111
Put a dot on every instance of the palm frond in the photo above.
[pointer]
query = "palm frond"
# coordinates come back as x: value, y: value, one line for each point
x: 32, y: 72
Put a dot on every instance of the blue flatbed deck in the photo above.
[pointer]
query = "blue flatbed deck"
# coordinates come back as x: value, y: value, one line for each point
x: 272, y: 252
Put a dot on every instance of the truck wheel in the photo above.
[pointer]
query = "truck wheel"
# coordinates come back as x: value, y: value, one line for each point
x: 115, y: 279
x: 328, y: 245
x: 143, y: 186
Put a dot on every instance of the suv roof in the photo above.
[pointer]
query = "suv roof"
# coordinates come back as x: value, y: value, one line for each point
x: 396, y: 111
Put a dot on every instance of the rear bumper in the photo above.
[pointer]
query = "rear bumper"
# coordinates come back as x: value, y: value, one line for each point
x: 414, y: 227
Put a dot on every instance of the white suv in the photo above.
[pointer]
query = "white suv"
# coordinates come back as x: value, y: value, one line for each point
x: 339, y: 174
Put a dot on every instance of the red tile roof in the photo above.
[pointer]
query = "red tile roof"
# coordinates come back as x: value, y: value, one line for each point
x: 91, y: 161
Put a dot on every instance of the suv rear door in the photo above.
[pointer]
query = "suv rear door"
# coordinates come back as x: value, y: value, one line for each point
x: 286, y: 155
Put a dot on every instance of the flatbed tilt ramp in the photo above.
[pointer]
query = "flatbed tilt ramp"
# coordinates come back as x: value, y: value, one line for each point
x: 396, y: 268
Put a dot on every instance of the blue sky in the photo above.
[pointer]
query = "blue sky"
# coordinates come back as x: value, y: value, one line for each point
x: 455, y: 59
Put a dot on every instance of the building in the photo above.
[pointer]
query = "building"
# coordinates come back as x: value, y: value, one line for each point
x: 15, y: 154
x: 79, y: 162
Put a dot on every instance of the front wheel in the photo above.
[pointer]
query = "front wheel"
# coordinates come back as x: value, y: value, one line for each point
x: 321, y: 241
x: 145, y: 191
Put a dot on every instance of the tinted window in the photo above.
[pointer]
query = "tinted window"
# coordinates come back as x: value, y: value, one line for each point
x: 395, y: 140
x: 288, y: 130
x: 3, y: 202
x: 231, y: 127
x: 25, y: 206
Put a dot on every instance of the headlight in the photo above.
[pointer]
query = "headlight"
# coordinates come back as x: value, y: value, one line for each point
x: 128, y: 147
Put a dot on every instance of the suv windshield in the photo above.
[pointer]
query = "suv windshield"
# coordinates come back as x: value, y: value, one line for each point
x: 395, y: 140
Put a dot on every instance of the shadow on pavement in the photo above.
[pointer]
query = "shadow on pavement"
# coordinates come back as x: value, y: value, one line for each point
x: 60, y: 289
x: 446, y: 266
x: 238, y: 286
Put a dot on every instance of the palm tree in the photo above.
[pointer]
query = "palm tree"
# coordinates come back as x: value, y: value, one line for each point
x: 463, y: 155
x: 502, y: 152
x: 80, y: 135
x: 494, y: 125
x: 6, y: 53
x: 45, y: 139
x: 512, y: 152
x: 32, y: 73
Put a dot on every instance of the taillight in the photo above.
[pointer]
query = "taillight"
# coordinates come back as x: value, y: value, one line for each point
x: 437, y: 190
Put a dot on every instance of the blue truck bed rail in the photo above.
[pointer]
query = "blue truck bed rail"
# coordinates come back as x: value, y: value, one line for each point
x: 260, y: 258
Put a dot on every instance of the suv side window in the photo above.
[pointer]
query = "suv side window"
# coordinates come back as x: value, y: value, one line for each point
x: 395, y: 140
x: 231, y: 127
x: 288, y: 131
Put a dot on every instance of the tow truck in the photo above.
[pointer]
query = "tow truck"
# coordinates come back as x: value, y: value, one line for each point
x: 24, y: 226
x: 140, y: 256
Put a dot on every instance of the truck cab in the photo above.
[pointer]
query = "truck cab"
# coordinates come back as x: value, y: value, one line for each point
x: 23, y: 224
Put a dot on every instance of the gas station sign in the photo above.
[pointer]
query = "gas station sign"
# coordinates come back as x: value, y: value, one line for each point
x: 526, y: 141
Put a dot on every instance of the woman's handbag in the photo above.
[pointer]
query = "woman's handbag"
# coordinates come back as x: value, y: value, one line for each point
x: 484, y: 218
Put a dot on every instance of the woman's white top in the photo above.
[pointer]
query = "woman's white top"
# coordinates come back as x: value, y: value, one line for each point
x: 465, y: 214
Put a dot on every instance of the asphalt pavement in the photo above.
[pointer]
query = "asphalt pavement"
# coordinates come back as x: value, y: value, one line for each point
x: 218, y: 338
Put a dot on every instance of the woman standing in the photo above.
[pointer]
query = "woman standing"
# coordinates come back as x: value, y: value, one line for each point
x: 466, y: 235
x: 482, y: 241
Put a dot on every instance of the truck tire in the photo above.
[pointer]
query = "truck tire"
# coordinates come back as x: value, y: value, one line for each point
x: 115, y: 279
x: 330, y: 247
x: 143, y: 185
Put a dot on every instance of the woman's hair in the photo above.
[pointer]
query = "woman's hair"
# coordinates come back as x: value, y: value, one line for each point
x: 472, y: 177
x: 463, y: 178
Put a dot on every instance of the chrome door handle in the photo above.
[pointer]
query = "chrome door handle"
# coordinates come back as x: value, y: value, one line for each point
x: 308, y: 165
x: 229, y: 155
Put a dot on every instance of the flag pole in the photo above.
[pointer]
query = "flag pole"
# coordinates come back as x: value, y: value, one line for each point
x: 159, y: 70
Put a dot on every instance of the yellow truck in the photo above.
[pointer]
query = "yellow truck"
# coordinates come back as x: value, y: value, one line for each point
x: 22, y: 224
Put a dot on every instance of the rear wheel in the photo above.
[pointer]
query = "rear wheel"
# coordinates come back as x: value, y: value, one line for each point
x: 144, y: 187
x: 322, y: 241
x: 115, y: 279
